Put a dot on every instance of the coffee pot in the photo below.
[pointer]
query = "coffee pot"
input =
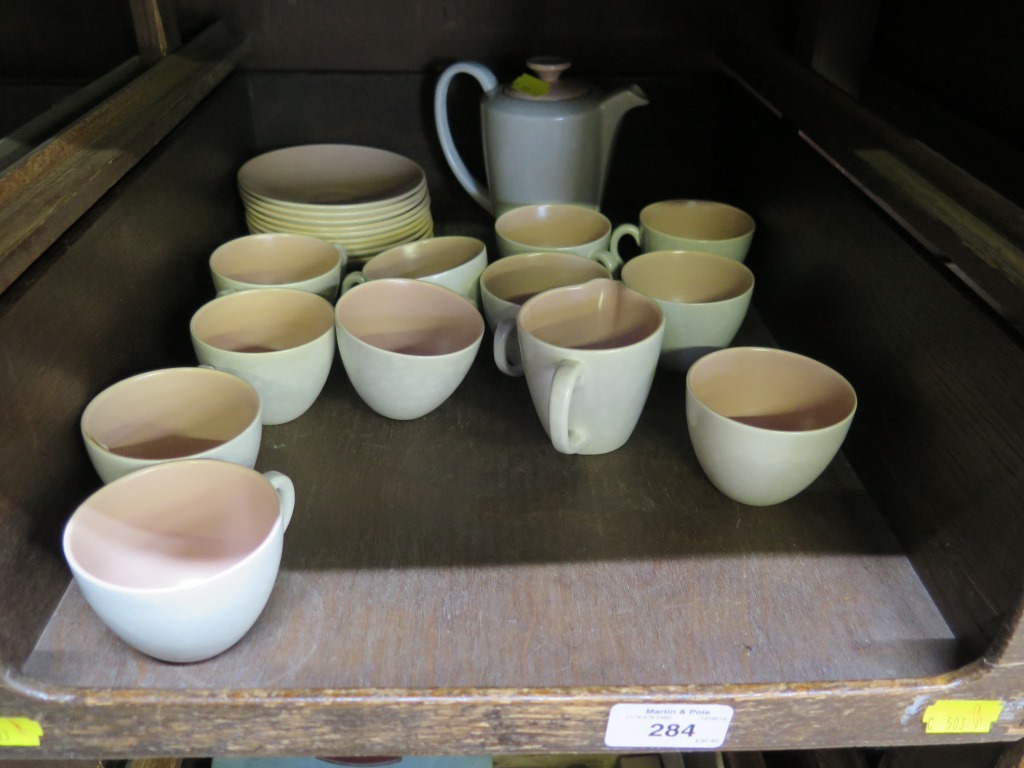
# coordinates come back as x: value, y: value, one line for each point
x: 545, y: 139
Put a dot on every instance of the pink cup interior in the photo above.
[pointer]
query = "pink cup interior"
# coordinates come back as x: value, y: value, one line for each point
x: 520, y: 277
x: 697, y: 220
x: 771, y: 389
x: 600, y: 314
x: 170, y: 414
x: 274, y: 259
x: 265, y: 320
x: 172, y: 525
x: 687, y: 277
x: 552, y: 226
x: 424, y: 257
x: 409, y: 317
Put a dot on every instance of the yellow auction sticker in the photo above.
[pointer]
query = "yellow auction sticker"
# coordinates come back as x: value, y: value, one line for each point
x: 531, y: 85
x: 19, y: 732
x: 961, y: 716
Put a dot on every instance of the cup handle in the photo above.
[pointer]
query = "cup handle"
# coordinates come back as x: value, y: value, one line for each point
x: 608, y: 260
x: 352, y: 279
x: 621, y: 231
x: 568, y: 376
x: 285, y: 494
x: 502, y: 335
x: 342, y: 254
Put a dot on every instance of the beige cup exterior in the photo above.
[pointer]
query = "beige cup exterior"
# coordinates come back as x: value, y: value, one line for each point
x: 557, y: 228
x: 280, y: 340
x: 765, y: 423
x: 690, y: 225
x: 278, y: 260
x: 704, y: 296
x: 170, y: 415
x: 453, y: 262
x: 180, y: 559
x: 406, y: 344
x: 589, y: 355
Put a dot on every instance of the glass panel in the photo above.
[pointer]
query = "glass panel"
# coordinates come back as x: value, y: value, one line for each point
x: 57, y: 59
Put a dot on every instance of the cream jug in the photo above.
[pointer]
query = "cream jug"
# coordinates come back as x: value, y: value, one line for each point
x: 545, y: 140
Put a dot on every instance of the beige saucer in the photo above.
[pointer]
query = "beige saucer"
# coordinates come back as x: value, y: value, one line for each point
x: 353, y: 243
x: 327, y: 175
x: 337, y: 214
x: 334, y: 231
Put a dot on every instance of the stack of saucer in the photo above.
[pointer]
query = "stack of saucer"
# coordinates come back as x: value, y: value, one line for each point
x: 364, y: 199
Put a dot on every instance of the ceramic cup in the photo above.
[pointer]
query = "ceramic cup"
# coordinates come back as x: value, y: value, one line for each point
x: 704, y: 297
x: 507, y: 283
x: 172, y: 414
x: 453, y: 262
x: 406, y: 344
x: 764, y: 422
x: 690, y: 225
x: 561, y: 227
x: 282, y: 260
x: 179, y: 559
x: 589, y: 354
x: 280, y: 340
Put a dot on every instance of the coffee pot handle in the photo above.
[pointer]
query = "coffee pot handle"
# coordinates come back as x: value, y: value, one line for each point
x: 488, y: 82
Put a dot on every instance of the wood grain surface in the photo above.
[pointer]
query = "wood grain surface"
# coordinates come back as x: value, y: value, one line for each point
x: 109, y: 302
x: 938, y: 438
x: 461, y: 550
x: 951, y: 213
x: 156, y: 28
x: 45, y: 192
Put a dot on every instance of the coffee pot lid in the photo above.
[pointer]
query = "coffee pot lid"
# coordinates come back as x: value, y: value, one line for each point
x: 545, y: 84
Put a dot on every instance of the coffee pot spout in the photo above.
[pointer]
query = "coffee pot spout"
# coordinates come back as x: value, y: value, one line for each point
x: 613, y: 107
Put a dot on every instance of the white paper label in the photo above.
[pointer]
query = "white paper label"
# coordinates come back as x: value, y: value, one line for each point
x: 668, y: 726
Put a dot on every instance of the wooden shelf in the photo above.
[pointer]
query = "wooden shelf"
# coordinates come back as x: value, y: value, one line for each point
x: 453, y: 585
x: 461, y: 551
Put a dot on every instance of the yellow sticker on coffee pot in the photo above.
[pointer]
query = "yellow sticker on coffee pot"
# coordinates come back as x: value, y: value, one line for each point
x: 530, y: 85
